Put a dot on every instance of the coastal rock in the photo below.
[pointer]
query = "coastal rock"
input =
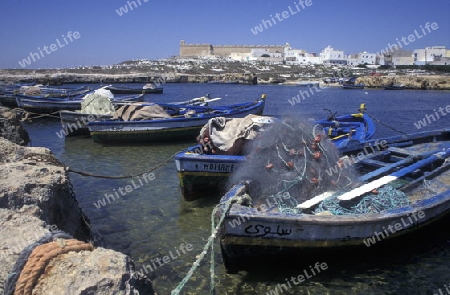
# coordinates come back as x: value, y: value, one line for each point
x: 36, y: 201
x: 410, y: 82
x: 10, y: 127
x: 99, y: 272
x: 33, y: 180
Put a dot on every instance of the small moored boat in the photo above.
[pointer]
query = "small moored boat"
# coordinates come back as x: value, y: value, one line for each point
x: 180, y: 123
x: 52, y: 105
x: 387, y: 201
x: 201, y: 174
x: 135, y: 90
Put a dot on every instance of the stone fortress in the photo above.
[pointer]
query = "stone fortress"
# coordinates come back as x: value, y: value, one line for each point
x: 198, y: 50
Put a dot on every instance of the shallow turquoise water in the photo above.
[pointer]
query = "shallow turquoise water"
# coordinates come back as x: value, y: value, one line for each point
x: 153, y: 221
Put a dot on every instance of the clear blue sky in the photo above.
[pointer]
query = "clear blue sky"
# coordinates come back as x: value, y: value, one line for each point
x: 154, y: 29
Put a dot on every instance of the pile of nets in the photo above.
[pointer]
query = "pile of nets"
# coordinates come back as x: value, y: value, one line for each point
x: 385, y: 198
x: 293, y: 161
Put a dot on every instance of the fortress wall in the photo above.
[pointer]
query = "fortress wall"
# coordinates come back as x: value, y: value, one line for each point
x: 189, y: 50
x: 226, y: 50
x: 195, y: 50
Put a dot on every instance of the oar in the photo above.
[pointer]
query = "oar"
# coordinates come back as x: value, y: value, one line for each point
x: 391, y: 177
x: 389, y: 168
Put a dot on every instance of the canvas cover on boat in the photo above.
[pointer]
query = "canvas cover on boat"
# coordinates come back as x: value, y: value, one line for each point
x: 228, y: 135
x: 30, y: 90
x: 98, y: 103
x: 138, y: 112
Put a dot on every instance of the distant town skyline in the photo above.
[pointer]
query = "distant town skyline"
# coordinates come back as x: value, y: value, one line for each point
x: 82, y: 33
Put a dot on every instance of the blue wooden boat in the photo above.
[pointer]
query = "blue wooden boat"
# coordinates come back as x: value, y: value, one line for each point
x: 53, y: 105
x: 184, y: 125
x: 349, y: 129
x: 134, y: 90
x: 394, y: 87
x: 353, y: 86
x: 8, y: 100
x: 8, y: 93
x: 202, y: 174
x: 75, y: 122
x: 350, y: 84
x: 386, y: 205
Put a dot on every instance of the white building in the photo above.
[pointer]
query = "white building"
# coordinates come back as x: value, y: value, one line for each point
x: 331, y: 56
x: 362, y: 58
x: 436, y: 55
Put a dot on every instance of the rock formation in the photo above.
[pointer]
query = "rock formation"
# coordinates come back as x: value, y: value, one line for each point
x: 37, y: 205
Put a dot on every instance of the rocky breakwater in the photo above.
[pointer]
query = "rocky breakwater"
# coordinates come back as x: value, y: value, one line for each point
x: 432, y: 82
x: 45, y: 239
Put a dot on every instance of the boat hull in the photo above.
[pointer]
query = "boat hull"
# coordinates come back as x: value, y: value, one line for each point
x: 8, y: 100
x: 48, y: 106
x: 125, y: 90
x: 198, y: 180
x: 249, y: 233
x: 201, y: 174
x: 161, y: 130
x: 75, y: 123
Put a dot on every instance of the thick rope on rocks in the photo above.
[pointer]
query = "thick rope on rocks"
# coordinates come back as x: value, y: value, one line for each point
x: 40, y: 258
x: 23, y: 258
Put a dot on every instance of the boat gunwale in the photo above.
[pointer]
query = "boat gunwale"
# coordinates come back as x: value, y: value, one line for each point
x: 354, y: 219
x: 233, y: 112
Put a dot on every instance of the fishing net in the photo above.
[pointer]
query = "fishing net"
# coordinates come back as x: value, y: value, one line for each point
x: 294, y: 161
x: 291, y: 162
x: 387, y: 197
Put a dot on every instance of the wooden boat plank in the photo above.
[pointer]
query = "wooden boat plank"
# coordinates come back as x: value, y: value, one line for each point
x: 315, y: 200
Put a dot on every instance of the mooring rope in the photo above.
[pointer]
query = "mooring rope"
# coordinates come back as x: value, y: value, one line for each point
x: 13, y: 276
x: 210, y: 243
x: 41, y: 257
x: 124, y: 176
x: 26, y: 114
x: 386, y: 125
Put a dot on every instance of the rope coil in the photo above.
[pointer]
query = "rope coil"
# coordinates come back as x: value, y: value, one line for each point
x: 39, y: 259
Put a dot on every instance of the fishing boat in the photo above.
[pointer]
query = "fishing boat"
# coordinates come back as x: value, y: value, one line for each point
x: 401, y: 188
x: 394, y: 87
x: 201, y: 174
x: 223, y: 82
x: 8, y: 94
x: 8, y: 100
x: 351, y: 84
x: 308, y: 83
x: 134, y: 90
x: 184, y: 122
x: 75, y: 122
x: 348, y: 129
x: 50, y: 105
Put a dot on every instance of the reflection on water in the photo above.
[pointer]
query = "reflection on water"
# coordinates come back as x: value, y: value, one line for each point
x: 153, y: 221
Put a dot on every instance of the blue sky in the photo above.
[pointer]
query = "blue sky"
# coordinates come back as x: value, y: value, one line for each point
x: 154, y: 29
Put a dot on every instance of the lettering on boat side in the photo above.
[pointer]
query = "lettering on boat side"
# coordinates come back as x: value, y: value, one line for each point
x: 261, y: 230
x: 219, y: 167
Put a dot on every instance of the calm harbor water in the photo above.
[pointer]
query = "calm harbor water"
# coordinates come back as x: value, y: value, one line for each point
x: 153, y: 220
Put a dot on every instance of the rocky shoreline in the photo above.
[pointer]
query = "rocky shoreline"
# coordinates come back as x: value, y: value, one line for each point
x: 46, y: 244
x: 203, y: 71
